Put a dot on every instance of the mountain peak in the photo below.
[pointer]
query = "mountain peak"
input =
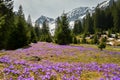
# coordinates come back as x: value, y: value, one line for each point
x: 42, y: 18
x: 78, y: 13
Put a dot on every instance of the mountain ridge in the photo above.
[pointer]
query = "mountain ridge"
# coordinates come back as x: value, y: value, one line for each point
x: 42, y: 18
x: 75, y: 14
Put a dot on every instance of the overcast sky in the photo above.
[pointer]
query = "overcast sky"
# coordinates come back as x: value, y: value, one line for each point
x: 51, y: 8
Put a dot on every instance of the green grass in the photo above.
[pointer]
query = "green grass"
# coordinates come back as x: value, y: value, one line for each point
x: 113, y: 48
x: 100, y: 58
x: 110, y: 48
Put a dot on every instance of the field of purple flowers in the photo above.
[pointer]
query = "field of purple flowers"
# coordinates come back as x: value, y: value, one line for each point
x: 48, y: 61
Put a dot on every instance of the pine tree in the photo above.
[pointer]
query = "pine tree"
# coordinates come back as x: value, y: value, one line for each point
x: 102, y: 21
x: 97, y: 20
x: 45, y: 34
x: 29, y: 21
x: 33, y: 37
x: 22, y: 29
x: 57, y: 28
x: 7, y: 22
x: 116, y: 19
x: 63, y: 35
x: 89, y: 24
x: 20, y: 35
x: 108, y: 19
x: 84, y: 24
x: 77, y: 27
x: 37, y: 31
x: 20, y: 12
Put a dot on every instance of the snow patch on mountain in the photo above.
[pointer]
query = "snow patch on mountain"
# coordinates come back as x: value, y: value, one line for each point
x: 52, y: 28
x: 71, y: 24
x: 106, y: 4
x: 78, y: 13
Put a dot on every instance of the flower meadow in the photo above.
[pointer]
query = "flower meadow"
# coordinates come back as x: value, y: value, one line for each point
x: 48, y: 61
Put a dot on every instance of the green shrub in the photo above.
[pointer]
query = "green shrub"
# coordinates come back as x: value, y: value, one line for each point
x: 102, y: 45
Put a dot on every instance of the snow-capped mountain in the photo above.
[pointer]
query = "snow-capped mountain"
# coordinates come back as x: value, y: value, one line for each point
x: 42, y: 18
x: 78, y: 13
x: 75, y: 14
x: 105, y: 4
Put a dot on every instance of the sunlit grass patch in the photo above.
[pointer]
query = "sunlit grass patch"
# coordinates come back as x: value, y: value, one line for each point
x: 2, y: 54
x: 87, y: 75
x: 113, y: 48
x: 100, y: 58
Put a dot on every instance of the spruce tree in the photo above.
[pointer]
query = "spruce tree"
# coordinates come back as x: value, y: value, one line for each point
x: 7, y: 22
x: 77, y: 27
x: 116, y: 19
x: 108, y: 19
x: 20, y: 12
x: 97, y: 20
x: 57, y: 28
x: 45, y: 34
x: 63, y: 35
x: 33, y: 37
x: 20, y: 35
x: 22, y: 29
x: 89, y: 24
x: 29, y: 21
x: 37, y: 31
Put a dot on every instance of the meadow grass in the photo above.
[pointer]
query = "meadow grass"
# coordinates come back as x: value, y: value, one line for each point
x: 64, y: 60
x: 87, y: 57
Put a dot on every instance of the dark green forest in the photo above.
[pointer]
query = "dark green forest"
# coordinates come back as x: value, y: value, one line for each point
x: 107, y: 19
x: 16, y: 32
